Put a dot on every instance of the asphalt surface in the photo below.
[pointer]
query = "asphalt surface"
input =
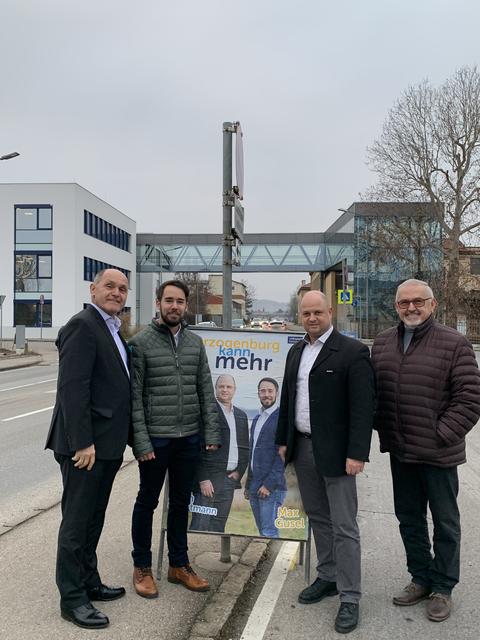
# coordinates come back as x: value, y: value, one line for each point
x: 28, y: 474
x: 29, y: 599
x: 384, y: 571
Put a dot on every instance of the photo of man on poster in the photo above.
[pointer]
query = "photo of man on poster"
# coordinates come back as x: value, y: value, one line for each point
x: 266, y: 487
x: 220, y: 471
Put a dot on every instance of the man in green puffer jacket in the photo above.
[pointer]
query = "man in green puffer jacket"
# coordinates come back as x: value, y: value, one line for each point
x: 174, y: 414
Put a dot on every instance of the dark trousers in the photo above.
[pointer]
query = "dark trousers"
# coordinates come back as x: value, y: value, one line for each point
x: 414, y: 487
x: 224, y: 488
x: 179, y: 456
x: 331, y: 506
x: 84, y: 502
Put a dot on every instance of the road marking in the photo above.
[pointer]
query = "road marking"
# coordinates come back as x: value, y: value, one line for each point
x: 30, y: 413
x: 262, y: 611
x: 30, y: 384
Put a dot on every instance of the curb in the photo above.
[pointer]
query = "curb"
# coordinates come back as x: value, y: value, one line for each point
x: 212, y: 619
x: 29, y: 361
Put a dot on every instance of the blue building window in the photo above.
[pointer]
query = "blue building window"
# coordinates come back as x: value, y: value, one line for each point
x: 105, y: 231
x: 33, y: 314
x: 91, y: 267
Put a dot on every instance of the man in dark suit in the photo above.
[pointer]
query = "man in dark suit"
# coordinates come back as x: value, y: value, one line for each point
x: 88, y: 435
x: 324, y: 427
x: 221, y: 470
x: 266, y: 487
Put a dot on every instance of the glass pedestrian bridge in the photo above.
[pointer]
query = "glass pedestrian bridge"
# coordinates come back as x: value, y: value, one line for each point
x: 261, y: 252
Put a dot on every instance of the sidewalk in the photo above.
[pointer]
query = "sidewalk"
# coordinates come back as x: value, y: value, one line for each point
x: 384, y: 571
x: 29, y: 601
x: 40, y: 352
x: 18, y: 362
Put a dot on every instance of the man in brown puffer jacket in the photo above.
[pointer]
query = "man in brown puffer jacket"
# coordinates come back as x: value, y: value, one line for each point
x: 428, y: 398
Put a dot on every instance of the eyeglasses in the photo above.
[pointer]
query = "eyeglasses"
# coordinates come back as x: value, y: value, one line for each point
x: 417, y: 303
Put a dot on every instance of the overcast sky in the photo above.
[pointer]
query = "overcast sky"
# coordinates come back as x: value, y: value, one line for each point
x: 128, y: 100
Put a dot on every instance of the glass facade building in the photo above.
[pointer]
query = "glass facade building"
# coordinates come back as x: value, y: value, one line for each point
x: 392, y: 242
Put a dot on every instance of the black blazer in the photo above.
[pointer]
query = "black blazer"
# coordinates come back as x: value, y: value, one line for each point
x: 215, y: 462
x: 93, y: 404
x: 342, y: 393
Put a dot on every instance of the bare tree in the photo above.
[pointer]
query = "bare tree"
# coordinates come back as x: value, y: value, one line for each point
x: 250, y: 297
x: 293, y: 307
x: 198, y: 297
x: 429, y: 149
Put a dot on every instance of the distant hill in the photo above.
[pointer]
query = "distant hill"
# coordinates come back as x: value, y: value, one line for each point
x: 269, y: 306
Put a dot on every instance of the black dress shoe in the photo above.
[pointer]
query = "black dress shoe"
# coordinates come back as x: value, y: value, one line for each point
x: 86, y: 616
x: 347, y: 617
x: 104, y: 593
x: 317, y: 591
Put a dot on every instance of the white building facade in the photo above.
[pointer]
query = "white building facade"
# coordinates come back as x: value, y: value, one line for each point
x: 54, y: 238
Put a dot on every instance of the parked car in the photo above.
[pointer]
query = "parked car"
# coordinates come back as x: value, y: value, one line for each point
x: 206, y: 323
x: 266, y: 325
x: 237, y: 323
x: 256, y: 323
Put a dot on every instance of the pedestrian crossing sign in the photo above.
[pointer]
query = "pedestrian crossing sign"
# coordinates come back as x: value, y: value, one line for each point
x: 345, y: 296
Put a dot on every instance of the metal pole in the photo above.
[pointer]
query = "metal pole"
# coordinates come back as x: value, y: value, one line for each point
x: 367, y: 292
x: 41, y: 321
x: 1, y: 326
x: 367, y: 304
x: 228, y: 129
x: 197, y: 312
x: 160, y: 274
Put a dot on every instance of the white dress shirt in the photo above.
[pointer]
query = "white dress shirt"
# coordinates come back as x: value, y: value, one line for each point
x: 302, y: 401
x: 232, y: 462
x: 114, y: 323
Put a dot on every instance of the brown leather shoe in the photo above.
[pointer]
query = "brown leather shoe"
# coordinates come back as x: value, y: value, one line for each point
x: 187, y: 576
x: 439, y: 606
x: 144, y: 583
x: 412, y: 594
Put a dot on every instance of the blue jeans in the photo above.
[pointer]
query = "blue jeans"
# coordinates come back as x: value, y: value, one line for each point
x: 180, y: 457
x: 265, y: 512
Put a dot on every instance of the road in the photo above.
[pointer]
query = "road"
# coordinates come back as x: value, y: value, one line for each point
x: 26, y: 470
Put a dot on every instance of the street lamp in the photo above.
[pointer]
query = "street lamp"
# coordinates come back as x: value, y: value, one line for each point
x: 9, y: 156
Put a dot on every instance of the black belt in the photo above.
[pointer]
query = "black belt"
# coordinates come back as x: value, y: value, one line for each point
x: 302, y: 434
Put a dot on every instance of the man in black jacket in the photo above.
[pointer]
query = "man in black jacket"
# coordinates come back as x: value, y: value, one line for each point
x: 220, y: 471
x: 88, y: 435
x: 324, y: 427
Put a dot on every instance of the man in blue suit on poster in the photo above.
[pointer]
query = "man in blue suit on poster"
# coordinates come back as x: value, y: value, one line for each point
x: 266, y: 487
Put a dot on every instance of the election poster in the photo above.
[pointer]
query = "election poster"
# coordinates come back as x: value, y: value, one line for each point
x: 243, y: 488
